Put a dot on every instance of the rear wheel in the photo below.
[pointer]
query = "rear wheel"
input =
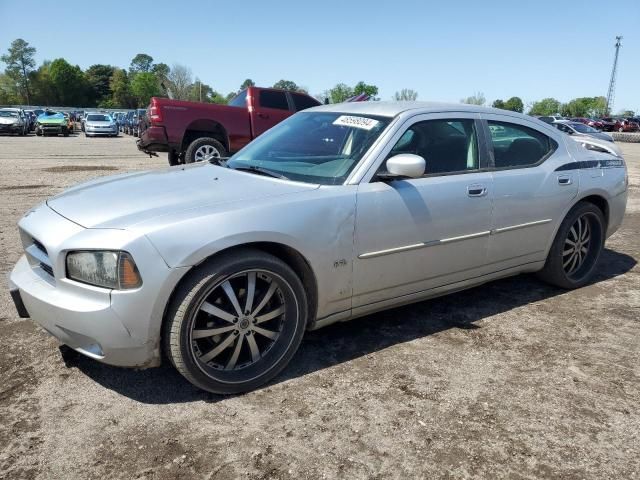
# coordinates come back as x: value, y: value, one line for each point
x: 235, y: 322
x: 575, y: 252
x: 204, y: 149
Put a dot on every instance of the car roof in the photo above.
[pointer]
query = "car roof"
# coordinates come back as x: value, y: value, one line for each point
x: 392, y: 109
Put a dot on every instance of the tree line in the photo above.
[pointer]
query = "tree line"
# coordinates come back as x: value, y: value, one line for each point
x: 59, y: 83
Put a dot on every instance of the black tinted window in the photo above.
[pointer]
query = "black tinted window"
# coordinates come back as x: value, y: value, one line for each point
x: 273, y: 99
x: 518, y: 146
x: 303, y: 101
x: 239, y: 100
x: 446, y: 145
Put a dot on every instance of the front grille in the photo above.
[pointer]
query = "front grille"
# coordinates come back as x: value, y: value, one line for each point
x: 37, y: 254
x: 46, y: 268
x: 40, y: 246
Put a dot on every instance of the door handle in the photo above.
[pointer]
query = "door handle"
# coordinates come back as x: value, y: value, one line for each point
x: 263, y: 115
x: 565, y: 180
x: 476, y: 190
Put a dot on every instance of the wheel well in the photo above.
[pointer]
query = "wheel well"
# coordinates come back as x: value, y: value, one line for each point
x: 601, y: 203
x: 204, y: 128
x: 288, y: 255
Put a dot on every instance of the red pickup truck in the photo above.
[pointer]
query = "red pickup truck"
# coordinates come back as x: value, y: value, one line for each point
x: 192, y: 131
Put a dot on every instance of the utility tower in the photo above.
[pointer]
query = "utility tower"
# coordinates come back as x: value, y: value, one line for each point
x: 612, y: 82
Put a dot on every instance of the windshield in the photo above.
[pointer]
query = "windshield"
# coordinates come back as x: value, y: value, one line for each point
x: 582, y: 128
x: 98, y: 118
x: 314, y: 147
x: 5, y: 113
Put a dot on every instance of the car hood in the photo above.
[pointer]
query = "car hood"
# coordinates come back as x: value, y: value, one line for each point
x: 124, y: 200
x: 8, y: 120
x: 52, y: 120
x: 601, y: 136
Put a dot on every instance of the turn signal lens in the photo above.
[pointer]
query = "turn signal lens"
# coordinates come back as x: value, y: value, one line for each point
x: 129, y: 275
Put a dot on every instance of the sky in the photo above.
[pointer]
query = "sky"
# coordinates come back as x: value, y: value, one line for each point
x: 444, y: 50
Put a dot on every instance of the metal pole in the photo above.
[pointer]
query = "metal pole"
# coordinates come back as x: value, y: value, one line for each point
x: 614, y: 72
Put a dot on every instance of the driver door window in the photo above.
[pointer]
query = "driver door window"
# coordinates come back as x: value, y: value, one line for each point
x: 447, y: 145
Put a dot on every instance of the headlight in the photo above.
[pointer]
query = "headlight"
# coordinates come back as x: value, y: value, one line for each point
x: 596, y: 148
x: 106, y: 269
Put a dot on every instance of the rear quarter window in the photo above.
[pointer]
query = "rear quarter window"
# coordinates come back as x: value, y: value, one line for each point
x: 517, y: 146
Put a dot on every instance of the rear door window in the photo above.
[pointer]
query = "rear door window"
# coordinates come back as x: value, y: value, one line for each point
x: 273, y: 99
x: 519, y: 146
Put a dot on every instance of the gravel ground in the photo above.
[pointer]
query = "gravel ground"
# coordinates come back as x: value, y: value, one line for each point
x: 513, y: 379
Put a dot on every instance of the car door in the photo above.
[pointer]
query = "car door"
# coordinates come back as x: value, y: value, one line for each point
x: 531, y: 192
x: 270, y: 109
x: 412, y: 235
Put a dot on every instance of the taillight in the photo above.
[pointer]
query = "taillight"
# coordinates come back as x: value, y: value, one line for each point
x: 155, y: 112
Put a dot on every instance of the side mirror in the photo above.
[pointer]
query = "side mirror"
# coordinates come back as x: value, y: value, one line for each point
x: 404, y: 165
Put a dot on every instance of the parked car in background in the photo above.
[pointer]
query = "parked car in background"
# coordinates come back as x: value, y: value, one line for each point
x: 70, y: 123
x: 137, y: 118
x: 52, y: 123
x: 128, y: 122
x: 608, y: 124
x: 551, y: 118
x: 13, y: 120
x: 336, y: 213
x: 577, y: 128
x: 31, y: 119
x: 626, y: 125
x: 100, y: 124
x: 193, y: 131
x: 592, y: 122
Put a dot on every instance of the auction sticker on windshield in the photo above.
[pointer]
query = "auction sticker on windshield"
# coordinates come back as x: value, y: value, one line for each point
x: 356, y: 122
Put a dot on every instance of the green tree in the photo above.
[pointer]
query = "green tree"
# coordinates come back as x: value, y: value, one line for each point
x: 144, y: 86
x: 43, y: 90
x: 121, y: 96
x: 7, y: 90
x: 247, y: 83
x: 289, y: 85
x: 546, y: 106
x: 98, y: 78
x: 68, y: 82
x: 476, y: 99
x: 626, y: 113
x: 340, y: 93
x: 405, y: 95
x: 498, y: 103
x: 514, y: 104
x: 179, y: 81
x: 585, y: 107
x: 20, y: 63
x: 362, y: 87
x: 141, y: 63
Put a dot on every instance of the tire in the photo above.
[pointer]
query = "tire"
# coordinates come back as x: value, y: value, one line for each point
x: 173, y: 157
x: 204, y: 149
x: 266, y: 347
x: 564, y: 269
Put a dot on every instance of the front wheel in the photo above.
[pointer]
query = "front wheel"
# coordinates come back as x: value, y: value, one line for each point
x: 204, y: 149
x: 575, y: 251
x: 235, y: 322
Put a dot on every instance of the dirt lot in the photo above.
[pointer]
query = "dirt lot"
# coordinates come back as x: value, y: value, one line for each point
x: 514, y: 379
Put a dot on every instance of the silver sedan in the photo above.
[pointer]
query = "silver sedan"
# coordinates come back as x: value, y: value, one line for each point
x: 96, y: 124
x: 338, y: 212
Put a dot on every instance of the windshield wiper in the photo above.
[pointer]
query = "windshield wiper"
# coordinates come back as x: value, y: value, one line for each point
x: 262, y: 171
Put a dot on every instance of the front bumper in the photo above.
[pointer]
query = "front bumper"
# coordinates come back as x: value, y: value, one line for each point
x: 100, y: 131
x: 118, y: 327
x: 52, y: 128
x: 10, y: 128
